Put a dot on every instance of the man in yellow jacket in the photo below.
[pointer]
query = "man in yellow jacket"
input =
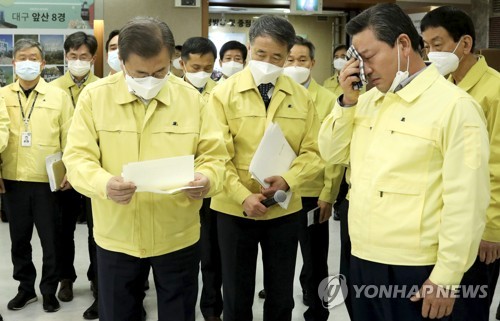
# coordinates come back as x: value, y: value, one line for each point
x: 245, y: 104
x: 339, y: 61
x: 319, y: 193
x: 4, y: 137
x: 197, y: 61
x: 417, y: 147
x: 141, y: 115
x: 80, y: 49
x: 450, y: 36
x: 40, y: 116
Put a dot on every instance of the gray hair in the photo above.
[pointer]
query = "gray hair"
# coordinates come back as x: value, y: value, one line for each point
x: 26, y: 43
x: 387, y: 21
x: 145, y: 37
x: 279, y: 29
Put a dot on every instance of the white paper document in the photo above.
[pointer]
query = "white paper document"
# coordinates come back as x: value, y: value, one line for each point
x: 273, y: 157
x: 162, y: 176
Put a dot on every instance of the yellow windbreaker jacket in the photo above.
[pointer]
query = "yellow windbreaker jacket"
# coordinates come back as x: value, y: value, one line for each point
x: 111, y: 128
x: 419, y: 174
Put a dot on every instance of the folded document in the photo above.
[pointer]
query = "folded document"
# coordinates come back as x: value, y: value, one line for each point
x: 163, y: 176
x: 55, y: 170
x: 273, y: 157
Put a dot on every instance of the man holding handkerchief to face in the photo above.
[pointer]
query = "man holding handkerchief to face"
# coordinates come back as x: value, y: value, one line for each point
x: 246, y: 104
x: 140, y: 115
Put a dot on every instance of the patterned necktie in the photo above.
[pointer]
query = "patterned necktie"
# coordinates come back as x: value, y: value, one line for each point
x: 264, y: 89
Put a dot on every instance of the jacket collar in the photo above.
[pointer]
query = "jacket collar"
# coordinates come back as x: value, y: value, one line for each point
x: 41, y: 86
x: 417, y: 86
x: 473, y: 75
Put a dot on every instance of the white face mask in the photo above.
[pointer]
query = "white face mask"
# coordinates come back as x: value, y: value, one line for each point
x: 264, y: 72
x: 176, y: 63
x: 114, y: 61
x: 28, y: 70
x: 446, y: 62
x: 339, y: 63
x: 198, y: 79
x: 147, y: 87
x: 231, y: 67
x: 400, y: 75
x: 299, y: 74
x: 78, y: 68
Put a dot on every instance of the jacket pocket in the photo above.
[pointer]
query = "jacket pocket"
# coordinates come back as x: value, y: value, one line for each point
x: 396, y: 218
x: 184, y: 138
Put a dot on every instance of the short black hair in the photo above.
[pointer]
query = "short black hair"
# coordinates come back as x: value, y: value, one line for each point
x: 279, y: 29
x: 78, y: 39
x: 233, y: 45
x: 453, y: 20
x: 339, y: 47
x: 145, y: 37
x: 198, y: 45
x: 112, y: 34
x: 387, y: 21
x: 304, y: 42
x: 178, y: 47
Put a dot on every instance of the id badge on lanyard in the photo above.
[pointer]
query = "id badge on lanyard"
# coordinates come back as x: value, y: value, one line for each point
x: 26, y: 137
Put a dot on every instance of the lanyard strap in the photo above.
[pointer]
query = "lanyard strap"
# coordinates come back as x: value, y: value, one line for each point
x: 72, y: 98
x: 26, y: 120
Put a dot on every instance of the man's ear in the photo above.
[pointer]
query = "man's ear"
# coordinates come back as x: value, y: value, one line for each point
x: 468, y: 44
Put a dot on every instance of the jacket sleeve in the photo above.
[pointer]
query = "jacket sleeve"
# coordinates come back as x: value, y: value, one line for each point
x: 333, y: 179
x: 492, y: 229
x: 211, y: 154
x: 232, y: 184
x: 335, y: 134
x: 307, y: 166
x: 82, y: 153
x: 4, y: 125
x: 465, y: 149
x: 65, y: 119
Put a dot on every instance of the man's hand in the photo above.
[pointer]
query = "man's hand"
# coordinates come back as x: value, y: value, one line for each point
x: 489, y: 252
x: 438, y: 302
x: 325, y: 211
x: 203, y: 187
x: 119, y: 191
x: 276, y: 183
x: 253, y: 207
x: 348, y: 75
x: 65, y: 185
x: 2, y: 186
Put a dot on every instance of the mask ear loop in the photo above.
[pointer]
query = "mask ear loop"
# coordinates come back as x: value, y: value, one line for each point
x: 456, y: 47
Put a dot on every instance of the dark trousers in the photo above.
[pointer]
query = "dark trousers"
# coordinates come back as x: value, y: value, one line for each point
x: 369, y: 305
x: 211, y: 270
x: 477, y: 308
x: 345, y: 253
x: 92, y: 271
x: 31, y: 204
x: 314, y: 247
x: 71, y: 207
x: 239, y: 240
x: 122, y: 277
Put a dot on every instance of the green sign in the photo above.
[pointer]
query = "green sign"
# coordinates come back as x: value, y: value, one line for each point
x: 54, y: 14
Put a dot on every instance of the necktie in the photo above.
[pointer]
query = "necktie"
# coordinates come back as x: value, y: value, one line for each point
x: 264, y: 89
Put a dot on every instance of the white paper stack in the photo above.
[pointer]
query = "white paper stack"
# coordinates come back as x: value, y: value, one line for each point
x: 273, y: 157
x: 163, y: 176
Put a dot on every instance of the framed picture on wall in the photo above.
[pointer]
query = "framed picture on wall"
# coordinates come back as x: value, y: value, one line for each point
x: 187, y: 3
